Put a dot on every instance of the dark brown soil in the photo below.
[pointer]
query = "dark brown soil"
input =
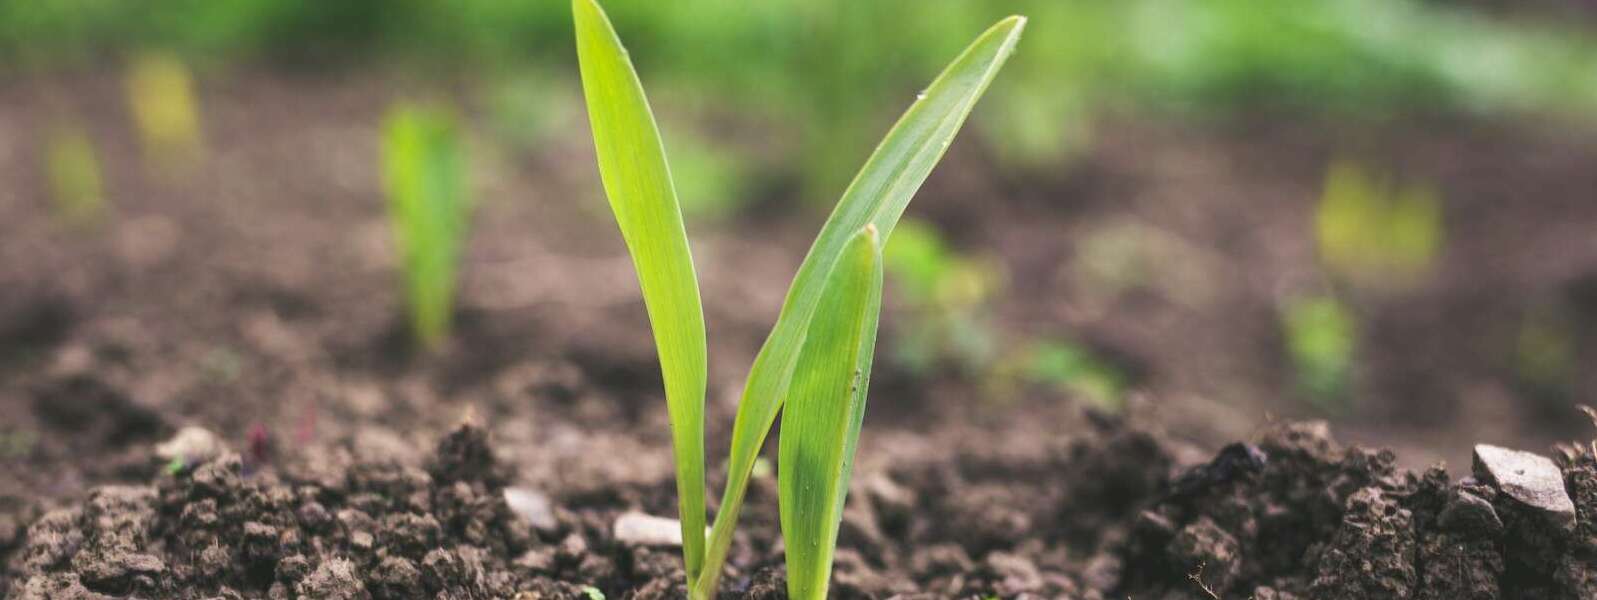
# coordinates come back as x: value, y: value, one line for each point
x: 1108, y: 514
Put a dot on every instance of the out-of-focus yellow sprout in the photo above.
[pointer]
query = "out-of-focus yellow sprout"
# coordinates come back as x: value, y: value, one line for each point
x: 1377, y: 233
x: 161, y: 97
x: 73, y: 171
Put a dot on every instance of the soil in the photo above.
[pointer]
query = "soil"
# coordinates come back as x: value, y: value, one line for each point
x: 252, y: 296
x: 1106, y: 514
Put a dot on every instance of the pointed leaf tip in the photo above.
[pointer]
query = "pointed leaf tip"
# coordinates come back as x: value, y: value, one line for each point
x: 637, y: 181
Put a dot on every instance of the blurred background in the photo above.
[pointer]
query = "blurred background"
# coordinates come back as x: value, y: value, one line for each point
x: 1378, y: 212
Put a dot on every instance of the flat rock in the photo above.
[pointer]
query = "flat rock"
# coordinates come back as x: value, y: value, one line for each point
x: 1529, y: 479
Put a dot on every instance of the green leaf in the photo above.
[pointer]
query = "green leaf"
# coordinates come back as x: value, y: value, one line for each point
x: 824, y: 411
x: 638, y: 183
x: 877, y: 196
x: 424, y: 173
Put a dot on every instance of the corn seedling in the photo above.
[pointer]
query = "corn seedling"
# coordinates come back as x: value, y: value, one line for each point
x: 945, y: 295
x: 1374, y: 231
x: 1076, y: 368
x: 424, y: 173
x: 817, y: 357
x: 1320, y: 335
x: 161, y: 97
x: 76, y: 193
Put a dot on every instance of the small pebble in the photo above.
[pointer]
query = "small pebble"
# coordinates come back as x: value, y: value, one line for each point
x: 192, y: 445
x: 647, y: 530
x: 533, y: 507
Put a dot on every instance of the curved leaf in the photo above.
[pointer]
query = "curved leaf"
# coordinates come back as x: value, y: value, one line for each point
x: 638, y: 183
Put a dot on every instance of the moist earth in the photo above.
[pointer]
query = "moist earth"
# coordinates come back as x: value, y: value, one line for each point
x: 1113, y: 512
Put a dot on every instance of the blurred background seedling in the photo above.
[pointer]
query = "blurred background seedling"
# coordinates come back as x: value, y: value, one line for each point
x: 77, y: 195
x: 1076, y: 369
x: 1376, y: 232
x: 1321, y: 335
x: 165, y: 110
x: 1545, y: 355
x: 424, y: 174
x: 945, y: 297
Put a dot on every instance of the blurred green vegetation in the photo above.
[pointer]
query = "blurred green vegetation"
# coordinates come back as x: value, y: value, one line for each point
x: 1377, y: 232
x: 1545, y: 354
x: 73, y: 171
x: 1321, y: 337
x: 424, y: 172
x: 161, y: 99
x: 945, y: 297
x: 831, y: 70
x: 1073, y: 367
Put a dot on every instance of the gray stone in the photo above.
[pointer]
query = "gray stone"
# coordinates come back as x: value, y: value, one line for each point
x: 1531, y: 480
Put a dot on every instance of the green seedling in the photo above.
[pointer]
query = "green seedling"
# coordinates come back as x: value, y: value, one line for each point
x: 1076, y: 368
x: 74, y: 173
x: 1376, y: 232
x: 944, y: 294
x: 819, y: 352
x: 424, y: 175
x: 161, y: 96
x: 1320, y: 335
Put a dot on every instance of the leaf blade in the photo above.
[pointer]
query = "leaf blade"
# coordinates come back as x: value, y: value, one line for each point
x: 823, y: 414
x: 877, y: 196
x: 637, y: 181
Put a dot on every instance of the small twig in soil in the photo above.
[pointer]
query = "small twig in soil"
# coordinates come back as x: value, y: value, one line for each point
x: 1197, y: 579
